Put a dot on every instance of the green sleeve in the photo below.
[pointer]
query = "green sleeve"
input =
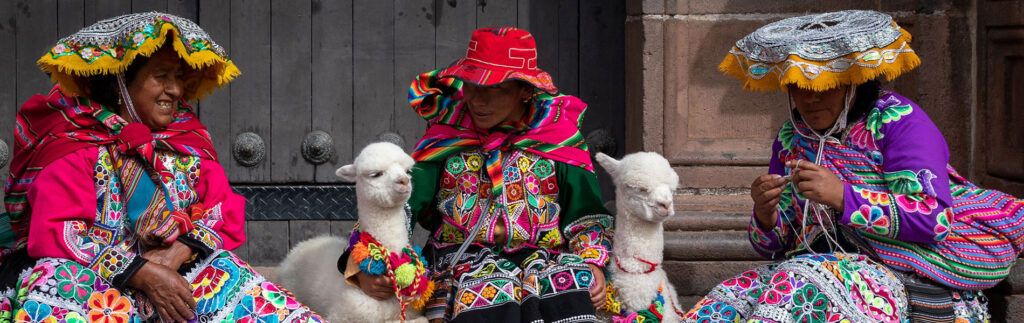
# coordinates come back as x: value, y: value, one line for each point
x: 584, y: 221
x: 426, y: 177
x: 579, y: 193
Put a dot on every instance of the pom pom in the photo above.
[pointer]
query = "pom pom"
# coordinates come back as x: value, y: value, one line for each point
x: 359, y: 252
x: 404, y: 275
x: 372, y: 267
x: 421, y: 301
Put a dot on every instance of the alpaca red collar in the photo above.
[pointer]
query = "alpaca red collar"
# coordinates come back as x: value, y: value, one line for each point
x: 653, y: 265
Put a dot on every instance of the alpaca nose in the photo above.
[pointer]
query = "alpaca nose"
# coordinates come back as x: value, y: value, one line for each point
x: 665, y: 205
x: 404, y: 180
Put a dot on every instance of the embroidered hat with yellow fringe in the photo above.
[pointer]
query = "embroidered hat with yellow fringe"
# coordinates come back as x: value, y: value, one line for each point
x: 109, y: 47
x: 823, y: 51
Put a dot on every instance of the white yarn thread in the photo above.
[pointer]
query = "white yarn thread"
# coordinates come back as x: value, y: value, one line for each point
x: 839, y: 125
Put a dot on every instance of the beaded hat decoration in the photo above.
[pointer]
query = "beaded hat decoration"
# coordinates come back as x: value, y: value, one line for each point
x: 820, y: 52
x: 109, y: 47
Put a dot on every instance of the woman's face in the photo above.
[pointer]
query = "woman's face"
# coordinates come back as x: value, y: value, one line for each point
x: 492, y: 105
x: 819, y: 110
x: 157, y: 87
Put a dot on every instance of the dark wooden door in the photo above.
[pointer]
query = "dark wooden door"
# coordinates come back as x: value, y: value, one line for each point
x: 999, y: 153
x: 323, y: 78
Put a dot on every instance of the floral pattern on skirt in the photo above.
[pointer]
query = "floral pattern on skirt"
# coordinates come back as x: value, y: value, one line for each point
x: 224, y: 287
x: 817, y: 288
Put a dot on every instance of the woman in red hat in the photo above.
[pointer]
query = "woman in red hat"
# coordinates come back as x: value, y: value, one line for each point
x: 503, y: 161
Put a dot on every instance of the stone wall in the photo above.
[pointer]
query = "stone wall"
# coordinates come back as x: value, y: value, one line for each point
x: 719, y: 137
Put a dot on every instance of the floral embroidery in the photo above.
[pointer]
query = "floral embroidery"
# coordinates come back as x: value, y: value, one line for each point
x: 33, y: 311
x: 870, y: 218
x: 255, y: 310
x: 75, y: 282
x: 875, y: 198
x: 109, y: 307
x: 882, y: 115
x: 861, y: 138
x: 278, y: 297
x: 809, y: 304
x: 474, y: 162
x: 942, y: 222
x: 920, y: 203
x: 780, y: 291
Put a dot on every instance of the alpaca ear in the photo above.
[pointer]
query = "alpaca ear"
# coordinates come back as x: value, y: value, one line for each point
x: 347, y: 173
x: 609, y: 164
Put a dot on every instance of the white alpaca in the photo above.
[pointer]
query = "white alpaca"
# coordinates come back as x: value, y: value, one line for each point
x: 644, y: 186
x: 381, y: 174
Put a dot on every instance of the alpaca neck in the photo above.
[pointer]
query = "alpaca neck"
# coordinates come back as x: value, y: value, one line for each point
x: 645, y: 240
x: 387, y: 225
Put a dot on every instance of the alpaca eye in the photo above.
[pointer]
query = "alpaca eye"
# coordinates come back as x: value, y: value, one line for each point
x: 376, y: 174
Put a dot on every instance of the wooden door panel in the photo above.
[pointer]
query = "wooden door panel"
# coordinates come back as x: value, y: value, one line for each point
x: 250, y: 92
x: 290, y: 90
x: 414, y: 54
x: 332, y: 81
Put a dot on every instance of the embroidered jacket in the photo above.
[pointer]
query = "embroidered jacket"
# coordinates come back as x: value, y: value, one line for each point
x: 533, y: 177
x: 81, y: 210
x: 914, y: 211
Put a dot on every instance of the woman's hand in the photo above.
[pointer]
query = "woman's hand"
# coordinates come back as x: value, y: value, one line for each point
x: 172, y: 256
x: 817, y: 183
x: 765, y: 191
x: 378, y: 287
x: 597, y: 287
x: 168, y: 291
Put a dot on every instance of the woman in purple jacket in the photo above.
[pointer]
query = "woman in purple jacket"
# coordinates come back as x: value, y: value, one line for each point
x: 866, y: 218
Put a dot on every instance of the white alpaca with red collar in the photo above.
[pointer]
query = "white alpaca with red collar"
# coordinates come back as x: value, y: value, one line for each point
x: 644, y: 188
x: 381, y: 174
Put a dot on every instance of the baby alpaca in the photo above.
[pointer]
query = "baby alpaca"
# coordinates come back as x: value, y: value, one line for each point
x: 644, y: 185
x: 381, y: 174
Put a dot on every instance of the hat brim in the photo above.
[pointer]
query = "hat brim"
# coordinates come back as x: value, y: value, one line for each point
x: 487, y: 75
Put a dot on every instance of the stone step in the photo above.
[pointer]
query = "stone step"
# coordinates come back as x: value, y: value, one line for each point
x: 708, y: 245
x: 708, y: 221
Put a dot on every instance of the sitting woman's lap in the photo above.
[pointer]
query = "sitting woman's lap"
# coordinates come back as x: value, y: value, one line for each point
x: 225, y: 288
x: 818, y: 288
x: 522, y: 287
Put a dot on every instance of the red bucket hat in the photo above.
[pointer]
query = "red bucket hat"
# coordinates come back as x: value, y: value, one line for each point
x: 496, y: 55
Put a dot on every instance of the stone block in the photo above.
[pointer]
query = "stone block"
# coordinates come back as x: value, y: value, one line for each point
x: 642, y: 7
x: 708, y: 245
x: 734, y: 203
x: 645, y: 74
x: 709, y: 119
x: 718, y: 176
x: 941, y: 85
x: 687, y: 302
x: 707, y: 221
x: 793, y: 7
x: 697, y: 278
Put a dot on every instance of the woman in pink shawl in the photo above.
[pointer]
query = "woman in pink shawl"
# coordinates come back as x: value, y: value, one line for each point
x: 118, y: 206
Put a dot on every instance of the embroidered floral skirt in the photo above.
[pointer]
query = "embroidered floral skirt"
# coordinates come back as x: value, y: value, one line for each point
x: 225, y: 289
x: 534, y: 286
x: 821, y: 288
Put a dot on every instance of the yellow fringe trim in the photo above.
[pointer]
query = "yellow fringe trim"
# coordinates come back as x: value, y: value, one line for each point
x: 421, y: 301
x: 783, y: 73
x: 215, y: 71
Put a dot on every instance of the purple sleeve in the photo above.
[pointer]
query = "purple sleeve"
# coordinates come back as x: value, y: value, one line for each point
x: 771, y: 242
x: 915, y: 207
